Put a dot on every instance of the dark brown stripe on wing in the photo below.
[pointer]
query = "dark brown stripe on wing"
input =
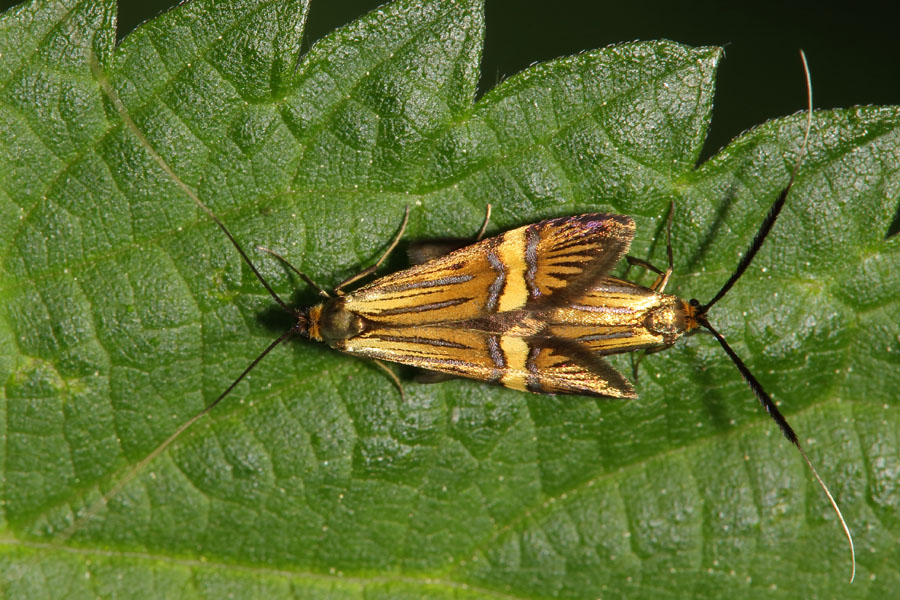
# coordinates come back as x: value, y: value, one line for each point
x: 532, y: 240
x: 606, y: 336
x: 422, y: 307
x: 415, y: 339
x: 429, y: 283
x: 496, y: 352
x: 496, y: 288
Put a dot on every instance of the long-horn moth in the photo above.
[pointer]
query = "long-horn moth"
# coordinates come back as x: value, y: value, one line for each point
x: 532, y: 309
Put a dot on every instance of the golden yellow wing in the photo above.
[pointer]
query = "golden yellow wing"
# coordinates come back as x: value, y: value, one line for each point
x: 617, y: 316
x: 510, y: 358
x: 540, y: 264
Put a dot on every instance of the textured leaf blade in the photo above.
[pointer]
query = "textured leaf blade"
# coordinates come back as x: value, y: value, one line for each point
x: 126, y: 311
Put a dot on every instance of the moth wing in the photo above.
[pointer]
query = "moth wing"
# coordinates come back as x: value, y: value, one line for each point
x: 453, y: 287
x: 566, y: 256
x: 558, y: 366
x: 610, y: 318
x: 449, y: 349
x: 540, y: 365
x: 531, y: 264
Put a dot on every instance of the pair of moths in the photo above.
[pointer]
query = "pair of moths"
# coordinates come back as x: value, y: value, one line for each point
x: 532, y: 309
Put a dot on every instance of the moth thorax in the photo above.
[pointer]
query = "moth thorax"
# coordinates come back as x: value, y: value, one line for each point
x: 334, y: 321
x: 669, y: 319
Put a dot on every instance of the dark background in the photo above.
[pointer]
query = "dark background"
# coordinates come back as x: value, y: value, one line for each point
x: 854, y: 53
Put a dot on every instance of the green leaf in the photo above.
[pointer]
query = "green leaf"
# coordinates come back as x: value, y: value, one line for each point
x: 125, y: 311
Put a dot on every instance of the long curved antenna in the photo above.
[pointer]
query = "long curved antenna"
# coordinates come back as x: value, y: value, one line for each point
x: 113, y: 96
x: 98, y: 504
x: 700, y: 312
x: 775, y: 209
x: 755, y: 386
x: 302, y: 275
x: 837, y: 510
x: 786, y: 429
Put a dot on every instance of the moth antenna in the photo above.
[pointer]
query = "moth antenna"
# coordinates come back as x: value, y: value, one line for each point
x: 757, y: 388
x: 775, y: 209
x: 302, y: 275
x: 837, y: 511
x: 700, y: 312
x: 786, y: 429
x: 98, y: 504
x: 113, y: 96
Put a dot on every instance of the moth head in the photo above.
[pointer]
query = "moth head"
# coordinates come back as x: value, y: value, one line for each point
x: 693, y: 312
x: 301, y: 326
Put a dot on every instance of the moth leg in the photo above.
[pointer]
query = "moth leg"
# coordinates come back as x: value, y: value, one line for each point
x: 659, y: 285
x: 393, y: 377
x: 639, y: 262
x: 636, y: 362
x: 422, y: 252
x: 487, y: 218
x: 371, y: 269
x: 302, y: 275
x: 663, y: 275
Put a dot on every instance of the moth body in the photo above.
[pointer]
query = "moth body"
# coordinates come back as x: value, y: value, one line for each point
x: 621, y: 316
x: 531, y: 309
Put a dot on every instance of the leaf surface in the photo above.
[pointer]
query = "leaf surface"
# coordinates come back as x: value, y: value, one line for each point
x: 125, y: 311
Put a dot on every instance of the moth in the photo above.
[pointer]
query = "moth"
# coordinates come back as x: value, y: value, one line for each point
x: 533, y: 309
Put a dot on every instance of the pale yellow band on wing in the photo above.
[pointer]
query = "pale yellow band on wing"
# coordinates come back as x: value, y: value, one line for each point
x: 515, y: 349
x: 511, y: 253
